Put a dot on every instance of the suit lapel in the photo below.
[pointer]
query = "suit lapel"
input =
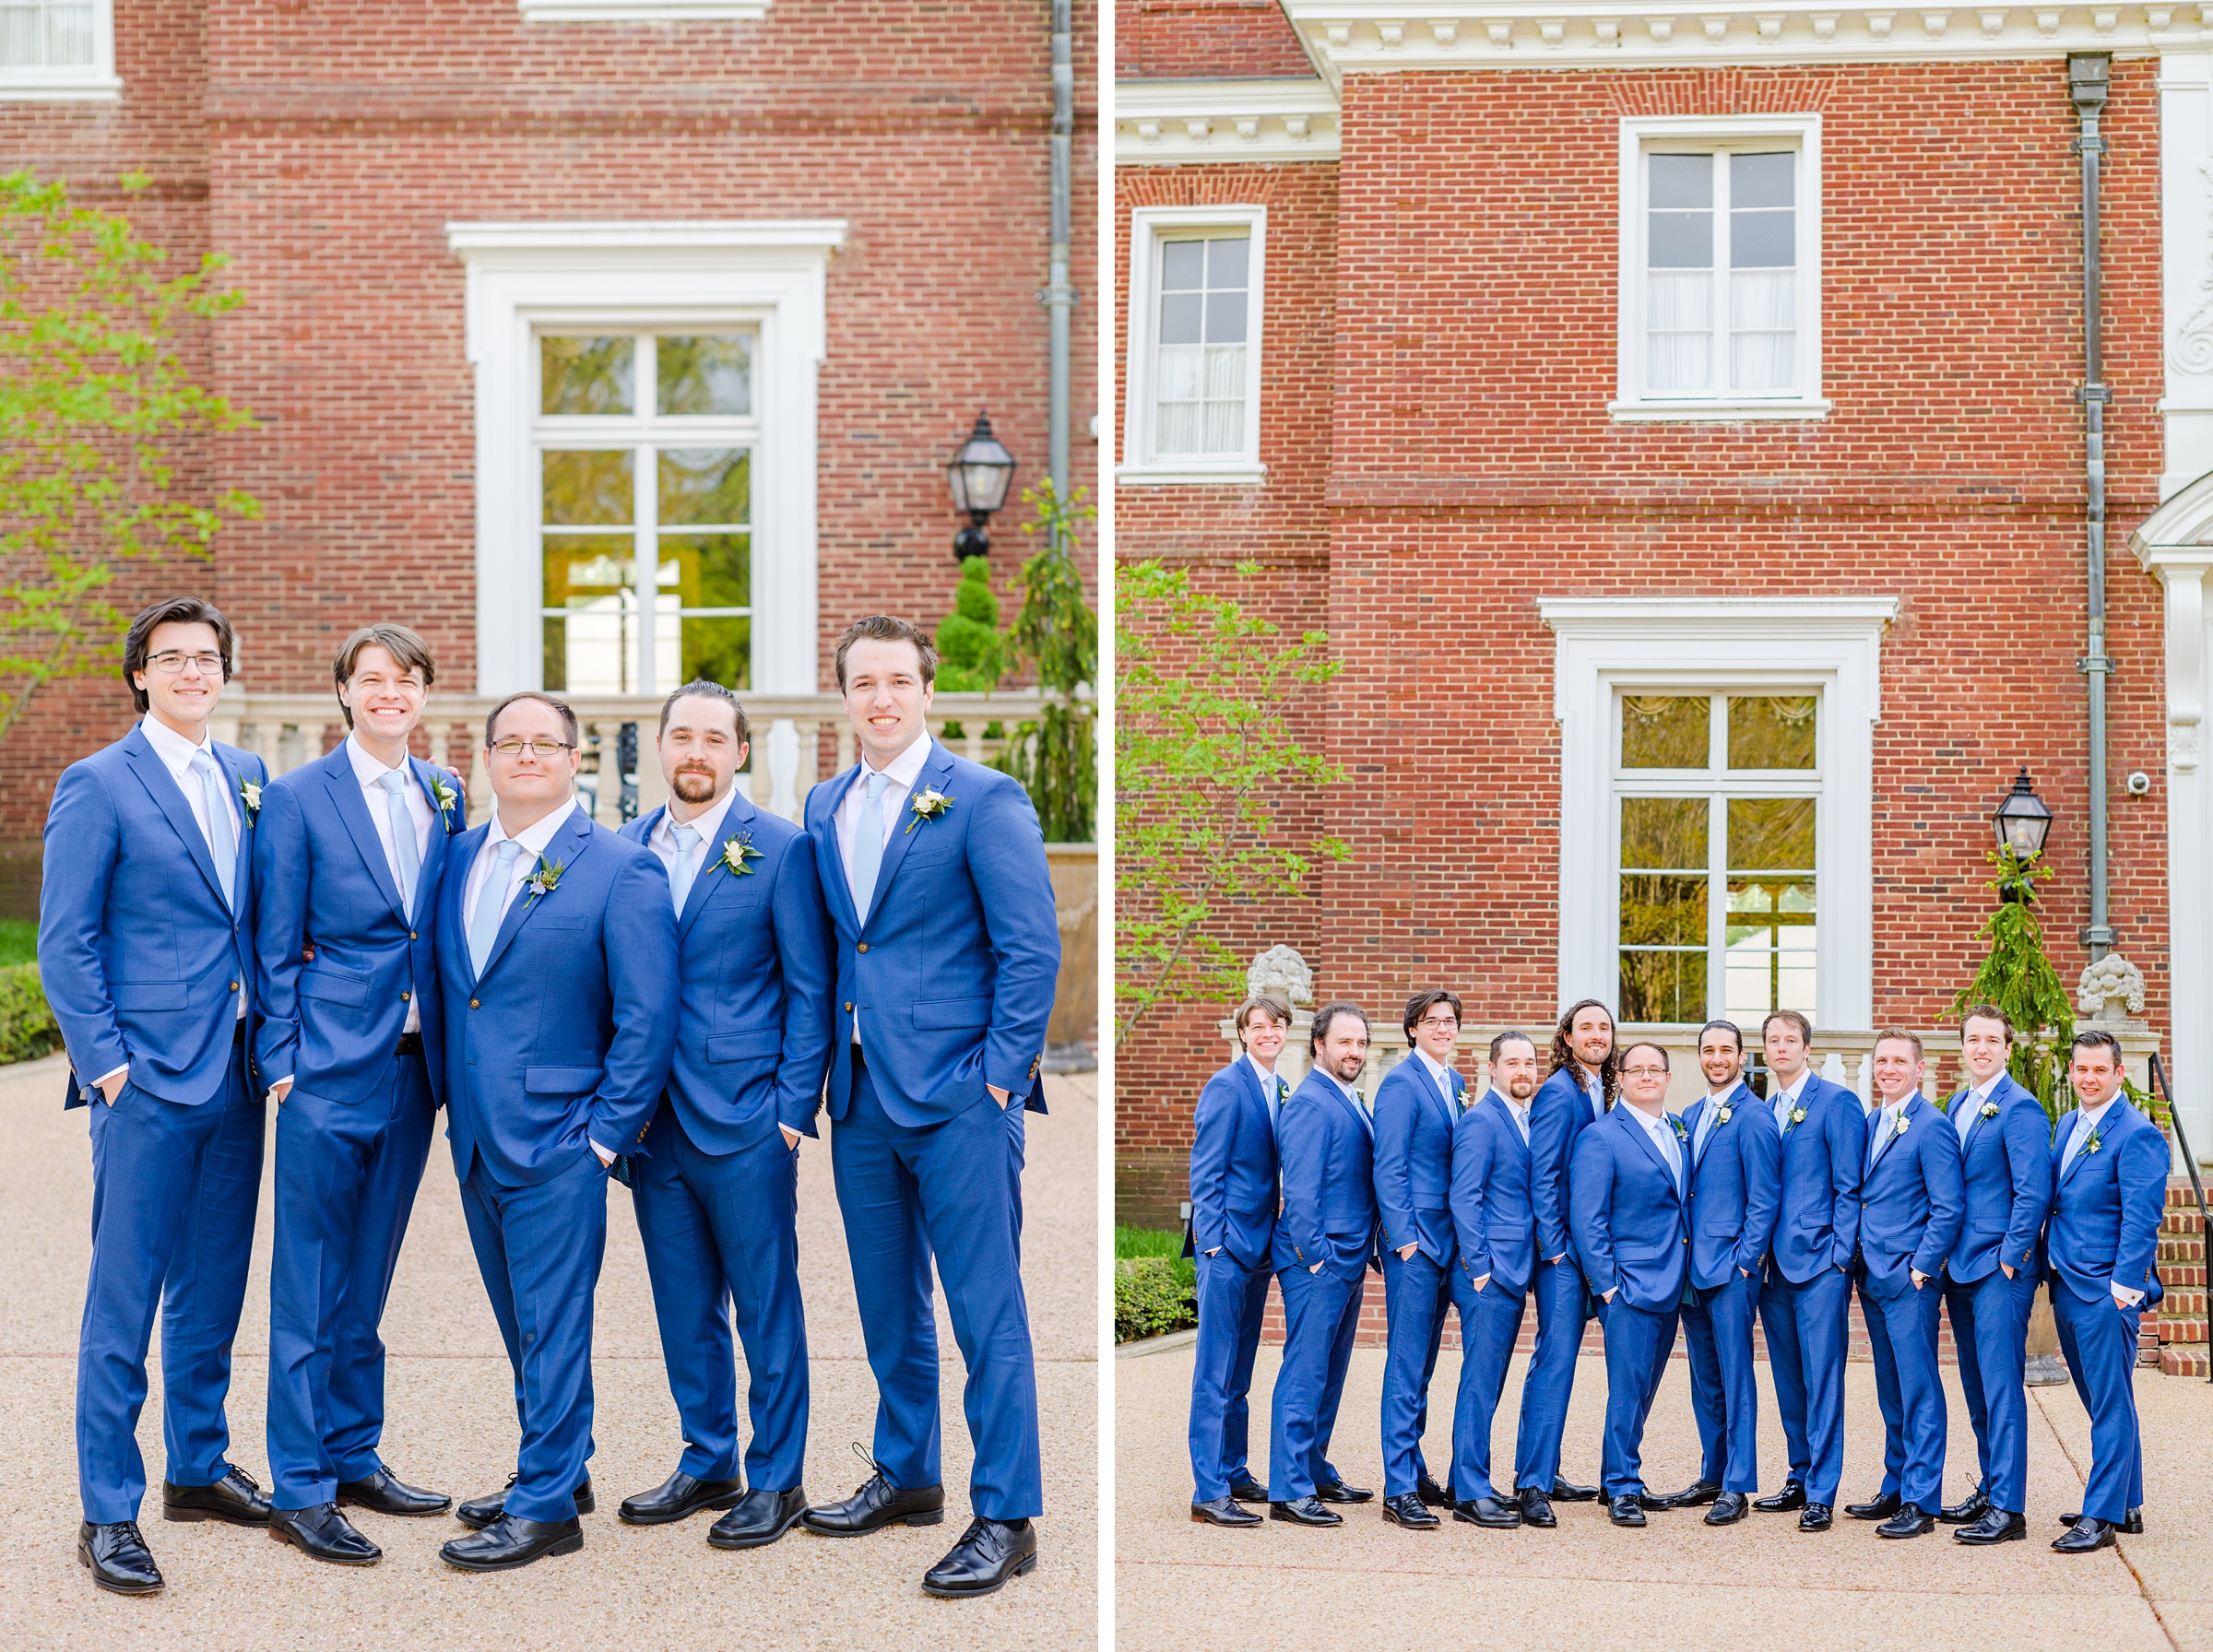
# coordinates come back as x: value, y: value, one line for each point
x: 2098, y: 1131
x: 567, y: 845
x: 1354, y: 1108
x: 154, y: 775
x: 243, y: 851
x: 829, y: 862
x: 937, y: 769
x: 1644, y: 1140
x: 345, y: 790
x: 441, y: 838
x: 707, y: 881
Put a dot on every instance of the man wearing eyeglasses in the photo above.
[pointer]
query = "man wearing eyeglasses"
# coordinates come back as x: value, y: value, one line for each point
x: 557, y: 959
x: 146, y: 952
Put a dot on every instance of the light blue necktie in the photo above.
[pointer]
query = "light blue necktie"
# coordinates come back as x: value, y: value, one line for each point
x: 868, y: 844
x: 1444, y: 1082
x: 221, y: 842
x: 1596, y: 1096
x: 1964, y: 1114
x: 1520, y: 1118
x: 687, y: 845
x: 1672, y: 1150
x: 1782, y: 1111
x: 1275, y: 1101
x: 1883, y: 1132
x: 1705, y: 1121
x: 2082, y: 1131
x: 484, y: 929
x: 404, y: 856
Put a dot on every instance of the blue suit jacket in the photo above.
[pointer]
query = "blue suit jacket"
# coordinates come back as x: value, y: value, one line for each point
x: 569, y: 1031
x: 320, y: 875
x: 1558, y: 1114
x: 952, y: 968
x: 1818, y: 1222
x: 2107, y: 1207
x: 1329, y: 1167
x: 753, y: 1023
x: 1735, y: 1188
x: 1414, y: 1159
x: 1233, y: 1167
x: 1631, y: 1227
x: 139, y: 956
x: 2007, y: 1162
x: 1492, y: 1219
x: 1911, y: 1201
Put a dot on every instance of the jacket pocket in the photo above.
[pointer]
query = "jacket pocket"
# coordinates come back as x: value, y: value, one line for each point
x: 334, y: 985
x: 148, y: 995
x: 745, y: 1047
x: 941, y: 1013
x: 561, y: 1080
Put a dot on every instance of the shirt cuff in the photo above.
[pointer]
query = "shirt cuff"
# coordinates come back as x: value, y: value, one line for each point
x: 2125, y: 1297
x: 117, y: 1073
x: 605, y: 1155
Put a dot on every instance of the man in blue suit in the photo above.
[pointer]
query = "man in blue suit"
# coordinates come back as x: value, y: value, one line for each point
x: 1494, y: 1233
x: 2108, y: 1194
x: 1990, y: 1282
x: 1807, y: 1293
x: 1734, y: 1148
x: 1570, y: 1100
x: 1911, y: 1205
x: 347, y: 858
x: 717, y: 1188
x: 1416, y: 1107
x: 946, y: 947
x: 146, y: 952
x: 1629, y: 1204
x: 557, y: 957
x: 1325, y: 1243
x: 1233, y: 1228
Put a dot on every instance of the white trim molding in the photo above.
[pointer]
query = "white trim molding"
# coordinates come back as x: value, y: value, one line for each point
x: 1140, y: 467
x: 1831, y: 645
x: 772, y: 275
x: 642, y: 11
x: 2186, y: 87
x: 1220, y: 122
x: 93, y: 82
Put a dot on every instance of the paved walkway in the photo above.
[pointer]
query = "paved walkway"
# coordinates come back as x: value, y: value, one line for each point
x: 1590, y: 1584
x: 451, y: 1425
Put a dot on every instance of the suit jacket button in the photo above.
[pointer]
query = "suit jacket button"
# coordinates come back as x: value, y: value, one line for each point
x: 403, y: 997
x: 410, y: 935
x: 472, y: 1003
x: 234, y: 986
x: 848, y: 1006
x: 864, y: 946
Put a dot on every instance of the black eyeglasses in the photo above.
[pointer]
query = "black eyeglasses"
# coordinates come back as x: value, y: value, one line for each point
x: 511, y: 750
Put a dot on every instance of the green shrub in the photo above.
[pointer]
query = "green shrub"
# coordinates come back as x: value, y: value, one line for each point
x: 27, y: 1025
x: 1153, y: 1295
x: 1146, y: 1242
x: 18, y: 941
x: 972, y: 654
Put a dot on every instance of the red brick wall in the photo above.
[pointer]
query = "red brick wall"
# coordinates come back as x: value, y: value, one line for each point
x: 1210, y: 39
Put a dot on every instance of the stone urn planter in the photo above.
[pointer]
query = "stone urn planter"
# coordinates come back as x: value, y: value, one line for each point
x: 1068, y: 1035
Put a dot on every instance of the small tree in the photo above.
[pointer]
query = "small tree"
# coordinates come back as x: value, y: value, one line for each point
x: 94, y: 401
x: 972, y: 655
x: 2018, y: 978
x: 1055, y: 754
x: 1201, y: 766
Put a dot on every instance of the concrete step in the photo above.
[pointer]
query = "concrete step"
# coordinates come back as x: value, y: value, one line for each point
x: 2195, y: 1361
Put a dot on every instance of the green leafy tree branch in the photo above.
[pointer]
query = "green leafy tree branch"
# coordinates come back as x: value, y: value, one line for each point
x: 1055, y: 754
x: 2018, y: 978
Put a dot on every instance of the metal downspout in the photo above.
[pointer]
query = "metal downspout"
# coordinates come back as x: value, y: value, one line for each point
x: 2088, y: 78
x: 1059, y: 297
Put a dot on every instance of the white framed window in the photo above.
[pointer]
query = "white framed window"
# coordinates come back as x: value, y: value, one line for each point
x: 1720, y: 307
x: 1716, y: 785
x: 58, y: 51
x: 1194, y: 367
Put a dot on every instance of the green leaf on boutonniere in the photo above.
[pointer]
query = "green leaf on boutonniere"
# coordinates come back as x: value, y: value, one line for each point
x: 544, y: 879
x: 736, y: 850
x: 928, y: 805
x: 447, y: 799
x: 249, y: 798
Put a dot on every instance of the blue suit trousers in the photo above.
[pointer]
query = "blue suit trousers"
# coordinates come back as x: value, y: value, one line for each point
x: 1908, y: 1385
x: 1416, y: 1293
x: 174, y: 1195
x: 1490, y: 1324
x: 1564, y: 1307
x: 2100, y: 1341
x: 1637, y: 1345
x: 539, y: 1247
x: 346, y: 1181
x: 953, y: 1189
x: 720, y: 1232
x: 1724, y: 1397
x: 1322, y: 1311
x: 1807, y: 1327
x: 1990, y: 1328
x: 1232, y: 1299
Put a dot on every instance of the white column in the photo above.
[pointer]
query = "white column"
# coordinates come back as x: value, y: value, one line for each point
x: 2186, y: 264
x: 2189, y: 845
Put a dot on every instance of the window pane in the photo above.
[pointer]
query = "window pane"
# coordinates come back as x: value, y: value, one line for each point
x: 1226, y: 318
x: 708, y: 570
x: 1681, y: 180
x: 1770, y: 935
x: 588, y: 488
x: 591, y: 613
x: 586, y: 375
x: 1224, y: 427
x: 713, y: 373
x: 1772, y: 835
x: 1181, y: 315
x: 1665, y: 832
x: 1225, y: 373
x: 1176, y: 427
x: 1682, y: 241
x: 1226, y: 259
x: 718, y: 649
x: 22, y: 42
x: 1771, y: 731
x: 1763, y: 239
x: 555, y: 665
x: 1763, y: 179
x: 706, y: 484
x: 1182, y: 264
x: 1179, y: 377
x: 1665, y: 731
x: 1662, y: 911
x: 1662, y: 986
x: 69, y: 35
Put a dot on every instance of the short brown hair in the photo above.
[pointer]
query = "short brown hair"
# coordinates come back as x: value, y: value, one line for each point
x: 568, y: 717
x: 1327, y: 1014
x: 1423, y: 1002
x: 408, y: 650
x: 1987, y: 1012
x: 1510, y: 1037
x: 704, y: 690
x: 1730, y: 1028
x: 1805, y: 1028
x: 1645, y: 1044
x: 1902, y: 1036
x: 175, y: 610
x: 882, y: 627
x: 1263, y: 1003
x: 2095, y: 1038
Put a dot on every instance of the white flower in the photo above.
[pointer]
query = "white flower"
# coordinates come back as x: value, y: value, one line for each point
x: 249, y: 793
x: 928, y: 805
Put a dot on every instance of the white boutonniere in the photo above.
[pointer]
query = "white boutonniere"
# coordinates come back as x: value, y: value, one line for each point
x: 544, y: 879
x: 2097, y: 1139
x: 1681, y: 1134
x: 1722, y: 1114
x: 928, y: 805
x: 738, y: 849
x: 1797, y: 1118
x: 249, y: 798
x: 1990, y: 1109
x: 1903, y: 1122
x: 447, y: 799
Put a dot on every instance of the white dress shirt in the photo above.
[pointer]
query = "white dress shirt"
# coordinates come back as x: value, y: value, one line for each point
x: 1437, y: 1069
x: 370, y: 771
x: 533, y: 838
x: 1515, y: 1111
x: 1662, y: 1132
x: 1270, y: 1085
x: 1786, y: 1101
x: 1970, y: 1104
x: 903, y: 770
x: 707, y: 823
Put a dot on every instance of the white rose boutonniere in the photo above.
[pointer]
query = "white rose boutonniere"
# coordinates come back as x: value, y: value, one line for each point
x: 736, y: 850
x: 1681, y: 1134
x: 928, y: 805
x: 1903, y: 1122
x: 1797, y: 1118
x: 1722, y: 1114
x: 1990, y: 1109
x: 249, y: 799
x: 447, y: 799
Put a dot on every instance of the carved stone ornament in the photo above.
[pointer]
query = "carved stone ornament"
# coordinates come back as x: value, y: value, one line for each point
x: 2111, y: 990
x: 1281, y: 970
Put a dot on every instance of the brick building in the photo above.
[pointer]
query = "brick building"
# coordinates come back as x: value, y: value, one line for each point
x: 1673, y: 420
x: 552, y: 301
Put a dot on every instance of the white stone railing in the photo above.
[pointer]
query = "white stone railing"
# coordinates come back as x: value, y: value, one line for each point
x: 287, y: 730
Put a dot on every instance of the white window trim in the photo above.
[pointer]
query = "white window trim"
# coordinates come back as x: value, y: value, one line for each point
x: 1831, y: 644
x: 642, y: 11
x: 1630, y: 403
x: 772, y: 275
x: 93, y: 82
x: 1137, y: 468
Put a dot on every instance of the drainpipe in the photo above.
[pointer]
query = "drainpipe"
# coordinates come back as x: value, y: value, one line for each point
x: 1059, y: 297
x: 2088, y: 77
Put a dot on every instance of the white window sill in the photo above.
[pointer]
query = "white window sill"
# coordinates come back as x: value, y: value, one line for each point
x: 642, y: 11
x: 87, y: 87
x: 1712, y: 412
x: 1189, y: 476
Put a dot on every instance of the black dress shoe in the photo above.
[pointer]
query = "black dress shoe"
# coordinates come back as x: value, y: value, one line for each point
x: 878, y: 1503
x: 234, y: 1498
x: 1627, y: 1510
x: 511, y: 1541
x: 2132, y: 1526
x: 1566, y: 1491
x: 1225, y: 1511
x: 1338, y: 1491
x: 1535, y: 1510
x: 988, y: 1553
x: 2085, y: 1535
x: 1406, y: 1510
x: 483, y: 1511
x: 1697, y: 1495
x: 1908, y: 1522
x: 1248, y: 1490
x: 386, y: 1493
x: 1815, y: 1517
x: 759, y: 1518
x: 322, y: 1533
x: 1965, y: 1512
x: 1995, y: 1526
x: 1882, y: 1508
x: 1728, y: 1509
x: 1305, y: 1511
x: 677, y: 1497
x: 1656, y: 1504
x: 118, y: 1558
x: 1432, y: 1494
x: 1494, y: 1512
x: 1792, y: 1495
